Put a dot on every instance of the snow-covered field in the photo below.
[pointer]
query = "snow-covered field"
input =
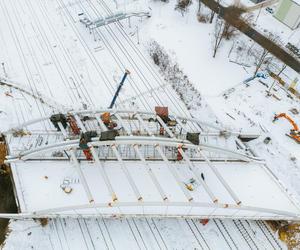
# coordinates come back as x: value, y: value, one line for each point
x: 46, y: 49
x: 249, y: 106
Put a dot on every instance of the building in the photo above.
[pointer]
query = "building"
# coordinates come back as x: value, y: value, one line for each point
x: 288, y: 12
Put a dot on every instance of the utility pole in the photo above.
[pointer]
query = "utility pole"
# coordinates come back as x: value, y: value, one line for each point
x: 258, y: 13
x: 4, y: 70
x: 282, y: 69
x: 129, y: 22
x: 137, y: 35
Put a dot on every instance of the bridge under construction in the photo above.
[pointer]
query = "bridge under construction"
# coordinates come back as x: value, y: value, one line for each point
x: 118, y: 163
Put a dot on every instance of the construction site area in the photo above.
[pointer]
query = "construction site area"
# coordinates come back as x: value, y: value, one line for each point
x: 118, y: 130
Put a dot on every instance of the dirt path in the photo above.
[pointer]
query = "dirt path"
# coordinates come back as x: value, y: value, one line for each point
x: 232, y: 18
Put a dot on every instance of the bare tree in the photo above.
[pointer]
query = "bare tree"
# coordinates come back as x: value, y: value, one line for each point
x: 228, y: 31
x: 199, y: 8
x: 260, y: 59
x: 262, y: 56
x: 212, y: 14
x: 182, y: 6
x: 222, y: 30
x: 218, y: 35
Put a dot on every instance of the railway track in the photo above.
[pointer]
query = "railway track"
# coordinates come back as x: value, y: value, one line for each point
x: 194, y: 233
x: 11, y: 18
x: 135, y: 230
x: 268, y: 234
x: 225, y: 234
x: 205, y: 243
x: 245, y: 234
x: 149, y: 234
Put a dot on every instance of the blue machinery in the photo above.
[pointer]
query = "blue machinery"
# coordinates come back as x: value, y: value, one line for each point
x: 258, y: 75
x: 127, y: 72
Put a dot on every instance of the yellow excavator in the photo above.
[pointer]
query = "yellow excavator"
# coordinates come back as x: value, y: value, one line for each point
x: 294, y: 132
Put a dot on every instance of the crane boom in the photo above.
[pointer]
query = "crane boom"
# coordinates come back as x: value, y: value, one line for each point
x: 127, y: 72
x: 284, y: 115
x: 295, y: 132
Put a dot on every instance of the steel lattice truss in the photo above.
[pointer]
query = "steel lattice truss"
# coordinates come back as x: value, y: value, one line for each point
x: 141, y: 145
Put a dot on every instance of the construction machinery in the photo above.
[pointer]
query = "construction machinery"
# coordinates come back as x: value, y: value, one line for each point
x: 294, y: 132
x: 127, y: 72
x: 106, y: 117
x: 59, y: 118
x: 257, y: 75
x: 65, y: 120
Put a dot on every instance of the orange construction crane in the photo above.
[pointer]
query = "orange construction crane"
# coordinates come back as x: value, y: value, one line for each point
x: 295, y: 132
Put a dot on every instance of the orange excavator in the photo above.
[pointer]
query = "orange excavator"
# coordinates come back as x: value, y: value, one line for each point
x: 294, y: 132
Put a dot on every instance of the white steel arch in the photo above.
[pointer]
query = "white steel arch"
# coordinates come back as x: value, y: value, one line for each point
x: 190, y: 204
x: 131, y: 112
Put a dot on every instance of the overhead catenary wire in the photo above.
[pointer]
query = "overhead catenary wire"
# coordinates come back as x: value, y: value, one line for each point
x: 120, y: 64
x: 20, y: 52
x: 33, y: 59
x: 123, y: 51
x: 95, y: 62
x: 148, y: 65
x: 65, y: 53
x: 137, y: 68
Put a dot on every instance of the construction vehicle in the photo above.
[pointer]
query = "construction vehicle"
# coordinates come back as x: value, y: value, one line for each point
x: 106, y: 117
x: 294, y: 132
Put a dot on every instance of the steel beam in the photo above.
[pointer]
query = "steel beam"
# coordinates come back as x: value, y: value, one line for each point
x: 149, y: 170
x: 221, y: 179
x: 77, y: 166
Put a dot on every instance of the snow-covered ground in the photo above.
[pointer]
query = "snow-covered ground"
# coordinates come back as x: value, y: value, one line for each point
x: 190, y: 43
x: 249, y: 106
x: 48, y: 50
